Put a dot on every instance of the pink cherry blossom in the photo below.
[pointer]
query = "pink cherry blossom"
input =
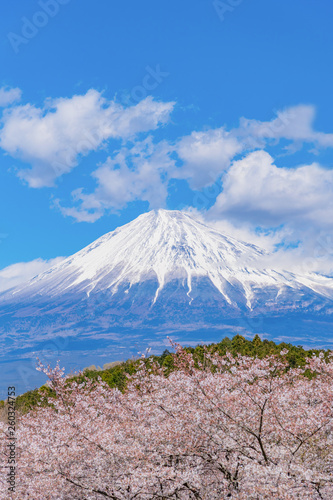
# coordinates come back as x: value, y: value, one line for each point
x: 233, y: 427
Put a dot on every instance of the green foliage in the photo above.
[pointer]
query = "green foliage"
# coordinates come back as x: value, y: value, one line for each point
x: 31, y: 399
x: 296, y: 356
x: 117, y: 375
x: 165, y: 360
x: 114, y: 377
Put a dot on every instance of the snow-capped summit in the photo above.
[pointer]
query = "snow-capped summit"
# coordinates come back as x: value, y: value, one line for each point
x: 164, y: 247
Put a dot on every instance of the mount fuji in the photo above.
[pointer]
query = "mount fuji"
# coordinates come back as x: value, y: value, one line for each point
x: 163, y: 273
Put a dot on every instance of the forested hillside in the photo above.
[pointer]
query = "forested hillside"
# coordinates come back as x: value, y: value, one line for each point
x: 117, y: 375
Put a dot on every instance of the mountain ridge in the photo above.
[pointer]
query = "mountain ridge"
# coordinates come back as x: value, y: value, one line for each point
x: 163, y: 246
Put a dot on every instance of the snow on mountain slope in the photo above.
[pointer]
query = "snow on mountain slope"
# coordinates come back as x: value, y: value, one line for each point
x: 163, y: 274
x: 163, y: 246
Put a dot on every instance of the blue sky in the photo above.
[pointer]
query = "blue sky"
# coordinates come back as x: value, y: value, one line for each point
x: 111, y: 109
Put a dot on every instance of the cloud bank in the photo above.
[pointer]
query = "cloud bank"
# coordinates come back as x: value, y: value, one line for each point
x: 15, y: 274
x: 53, y: 138
x: 9, y: 95
x: 236, y: 177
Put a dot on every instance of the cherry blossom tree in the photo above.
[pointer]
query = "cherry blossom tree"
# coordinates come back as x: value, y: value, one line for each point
x: 225, y: 427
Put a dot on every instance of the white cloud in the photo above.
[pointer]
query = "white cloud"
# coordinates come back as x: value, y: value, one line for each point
x: 254, y: 189
x: 287, y: 208
x: 253, y: 185
x: 19, y: 273
x: 53, y: 138
x: 294, y: 124
x: 205, y: 155
x: 9, y: 95
x: 136, y: 173
x: 297, y: 202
